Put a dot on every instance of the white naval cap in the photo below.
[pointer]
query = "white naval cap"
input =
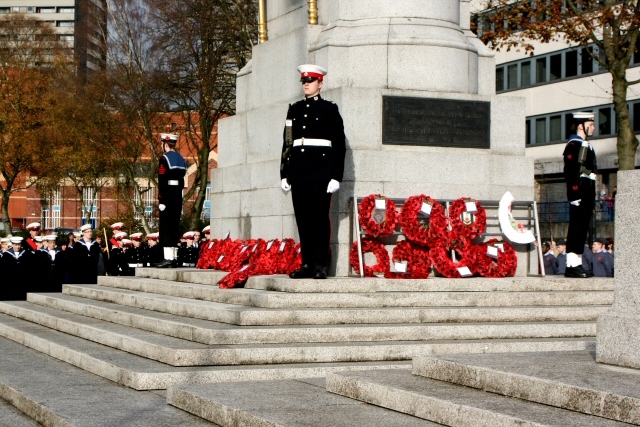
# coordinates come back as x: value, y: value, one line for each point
x: 153, y: 236
x: 16, y: 240
x: 169, y: 137
x: 77, y: 234
x: 117, y: 226
x: 584, y: 116
x: 207, y: 229
x: 86, y: 227
x: 33, y: 226
x: 5, y: 240
x: 120, y: 235
x: 309, y: 72
x: 50, y: 237
x: 189, y: 235
x: 136, y: 236
x: 39, y: 239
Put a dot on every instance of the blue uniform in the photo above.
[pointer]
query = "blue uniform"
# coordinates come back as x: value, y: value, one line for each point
x: 562, y: 263
x: 550, y: 263
x: 602, y: 264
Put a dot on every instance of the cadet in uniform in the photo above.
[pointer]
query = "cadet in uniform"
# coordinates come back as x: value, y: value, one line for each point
x: 580, y: 166
x: 602, y: 260
x: 17, y: 267
x: 135, y: 255
x: 550, y: 261
x: 30, y: 242
x: 188, y: 254
x: 562, y: 257
x: 42, y: 264
x: 171, y: 171
x: 312, y: 166
x: 85, y: 256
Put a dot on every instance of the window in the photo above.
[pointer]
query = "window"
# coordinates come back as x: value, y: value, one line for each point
x: 65, y: 23
x: 68, y: 38
x: 66, y: 10
x: 89, y: 202
x: 604, y: 121
x: 145, y: 202
x: 555, y: 128
x: 525, y: 70
x: 571, y: 63
x: 499, y: 79
x: 636, y: 116
x: 587, y: 61
x: 4, y: 10
x: 512, y: 76
x: 15, y: 9
x: 541, y: 70
x: 541, y: 130
x: 46, y: 10
x: 528, y: 135
x: 206, y: 211
x: 30, y: 9
x: 556, y: 67
x: 51, y: 212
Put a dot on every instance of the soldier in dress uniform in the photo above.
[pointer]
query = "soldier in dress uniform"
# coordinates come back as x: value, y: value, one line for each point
x: 30, y: 242
x: 550, y: 261
x: 86, y: 253
x: 562, y: 257
x: 135, y: 255
x: 42, y: 263
x: 580, y: 166
x: 17, y: 267
x: 188, y: 253
x: 118, y: 265
x: 171, y: 170
x: 312, y: 166
x: 602, y: 260
x: 153, y: 252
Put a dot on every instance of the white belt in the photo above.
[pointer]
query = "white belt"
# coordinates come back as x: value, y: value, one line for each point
x: 188, y: 264
x: 312, y: 142
x: 135, y: 265
x: 591, y: 176
x: 174, y: 182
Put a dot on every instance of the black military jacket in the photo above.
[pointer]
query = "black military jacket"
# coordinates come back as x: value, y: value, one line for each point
x: 171, y: 167
x: 314, y: 118
x: 572, y: 168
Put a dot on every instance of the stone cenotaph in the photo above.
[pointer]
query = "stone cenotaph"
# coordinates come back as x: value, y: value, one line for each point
x: 416, y: 90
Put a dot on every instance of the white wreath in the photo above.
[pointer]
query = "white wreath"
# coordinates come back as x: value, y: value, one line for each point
x: 506, y: 222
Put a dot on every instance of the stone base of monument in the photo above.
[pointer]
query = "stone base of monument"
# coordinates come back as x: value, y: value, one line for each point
x: 619, y: 328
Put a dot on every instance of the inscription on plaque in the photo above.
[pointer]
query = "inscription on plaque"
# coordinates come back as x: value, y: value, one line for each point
x: 435, y: 122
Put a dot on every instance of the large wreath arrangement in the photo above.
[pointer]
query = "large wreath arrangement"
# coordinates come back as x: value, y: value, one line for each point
x: 416, y: 257
x: 466, y: 230
x: 487, y: 266
x: 377, y: 248
x: 442, y: 262
x: 236, y: 278
x: 232, y: 256
x: 422, y: 229
x: 382, y: 228
x: 205, y: 252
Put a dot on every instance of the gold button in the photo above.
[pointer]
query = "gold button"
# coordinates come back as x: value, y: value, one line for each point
x: 305, y: 115
x: 307, y: 105
x: 304, y: 127
x: 302, y: 150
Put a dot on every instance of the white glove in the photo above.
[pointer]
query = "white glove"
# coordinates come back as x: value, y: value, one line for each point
x: 576, y: 202
x: 333, y: 186
x: 161, y: 207
x: 285, y: 185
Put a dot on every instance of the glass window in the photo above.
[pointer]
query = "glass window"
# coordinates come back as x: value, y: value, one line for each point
x: 568, y: 122
x: 541, y: 130
x: 65, y: 23
x: 525, y: 71
x: 47, y: 10
x: 15, y: 9
x: 66, y: 10
x: 636, y: 116
x: 555, y: 67
x: 512, y: 76
x: 528, y: 135
x: 604, y: 121
x: 587, y: 61
x: 500, y: 79
x: 571, y: 63
x: 555, y: 128
x: 541, y: 70
x: 4, y: 10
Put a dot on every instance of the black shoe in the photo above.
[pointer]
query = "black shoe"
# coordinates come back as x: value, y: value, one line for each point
x: 303, y: 273
x: 319, y: 273
x: 167, y: 263
x: 575, y: 272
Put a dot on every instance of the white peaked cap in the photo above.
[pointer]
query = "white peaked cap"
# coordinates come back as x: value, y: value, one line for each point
x: 584, y: 116
x: 169, y: 137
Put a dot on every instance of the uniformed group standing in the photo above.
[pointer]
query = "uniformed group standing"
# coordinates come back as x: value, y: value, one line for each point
x: 597, y: 261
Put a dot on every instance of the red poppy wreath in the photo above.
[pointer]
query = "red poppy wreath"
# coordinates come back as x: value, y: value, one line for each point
x: 378, y: 249
x: 466, y: 225
x: 378, y: 223
x: 423, y: 221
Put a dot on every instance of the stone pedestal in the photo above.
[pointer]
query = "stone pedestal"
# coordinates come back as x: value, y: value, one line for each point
x: 371, y: 49
x: 618, y: 330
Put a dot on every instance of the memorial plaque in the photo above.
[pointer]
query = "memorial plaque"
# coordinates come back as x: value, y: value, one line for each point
x: 435, y: 122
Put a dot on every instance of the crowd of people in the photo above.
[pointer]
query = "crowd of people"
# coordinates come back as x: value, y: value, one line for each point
x: 43, y: 263
x: 597, y: 259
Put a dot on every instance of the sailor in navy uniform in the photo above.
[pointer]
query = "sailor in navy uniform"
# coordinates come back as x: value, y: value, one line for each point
x: 17, y: 266
x: 135, y: 254
x: 171, y: 171
x: 562, y: 257
x: 30, y: 242
x: 42, y: 264
x: 85, y: 256
x: 580, y: 166
x: 311, y: 167
x: 187, y: 253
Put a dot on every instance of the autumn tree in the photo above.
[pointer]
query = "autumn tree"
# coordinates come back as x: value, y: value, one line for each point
x: 29, y: 52
x: 205, y: 43
x: 611, y: 27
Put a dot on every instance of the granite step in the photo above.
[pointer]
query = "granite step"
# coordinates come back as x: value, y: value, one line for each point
x: 270, y: 299
x: 210, y: 332
x: 145, y: 374
x: 292, y: 403
x: 242, y: 315
x: 178, y: 352
x: 569, y: 380
x: 56, y: 394
x: 451, y: 404
x: 281, y: 283
x: 10, y: 416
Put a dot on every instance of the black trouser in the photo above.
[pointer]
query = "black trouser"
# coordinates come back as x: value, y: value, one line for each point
x: 169, y: 226
x: 580, y: 217
x: 311, y: 204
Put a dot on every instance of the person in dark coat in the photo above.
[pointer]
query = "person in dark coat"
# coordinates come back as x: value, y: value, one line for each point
x: 30, y: 242
x: 153, y: 251
x: 171, y: 171
x: 587, y: 261
x: 42, y: 264
x: 85, y: 256
x: 580, y: 167
x: 188, y: 254
x: 17, y: 266
x: 550, y: 261
x: 602, y: 260
x: 562, y: 257
x: 312, y: 167
x: 135, y: 254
